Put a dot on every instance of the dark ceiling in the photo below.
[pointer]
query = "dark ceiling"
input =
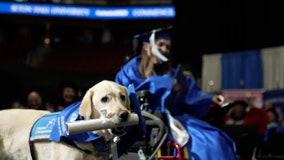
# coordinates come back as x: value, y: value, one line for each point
x: 220, y: 26
x: 200, y: 27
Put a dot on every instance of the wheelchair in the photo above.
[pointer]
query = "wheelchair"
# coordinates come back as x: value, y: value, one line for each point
x: 154, y: 145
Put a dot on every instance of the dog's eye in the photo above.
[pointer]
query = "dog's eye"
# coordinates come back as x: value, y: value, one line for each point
x: 105, y: 99
x: 122, y: 97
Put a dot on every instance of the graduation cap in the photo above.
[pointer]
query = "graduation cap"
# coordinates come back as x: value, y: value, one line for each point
x: 152, y: 36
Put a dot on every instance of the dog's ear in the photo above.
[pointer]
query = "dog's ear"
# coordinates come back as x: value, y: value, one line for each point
x: 127, y: 99
x: 87, y: 108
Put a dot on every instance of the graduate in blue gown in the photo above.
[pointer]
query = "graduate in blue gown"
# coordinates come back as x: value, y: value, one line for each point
x: 151, y: 70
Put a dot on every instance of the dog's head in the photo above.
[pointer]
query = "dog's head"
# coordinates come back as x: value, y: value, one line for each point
x: 107, y: 99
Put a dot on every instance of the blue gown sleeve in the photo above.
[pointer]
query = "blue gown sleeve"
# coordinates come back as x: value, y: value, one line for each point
x: 190, y: 99
x: 129, y: 73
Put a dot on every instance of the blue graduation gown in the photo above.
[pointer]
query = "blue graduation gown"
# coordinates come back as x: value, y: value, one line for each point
x: 206, y: 141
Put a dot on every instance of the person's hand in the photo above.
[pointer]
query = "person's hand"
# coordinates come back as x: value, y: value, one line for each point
x: 218, y: 99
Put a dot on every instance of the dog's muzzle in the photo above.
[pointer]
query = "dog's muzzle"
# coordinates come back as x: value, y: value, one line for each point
x: 122, y: 117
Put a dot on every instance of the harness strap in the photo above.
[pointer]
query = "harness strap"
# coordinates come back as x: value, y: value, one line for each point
x: 72, y: 143
x: 32, y: 150
x: 99, y: 144
x: 63, y: 139
x: 31, y: 144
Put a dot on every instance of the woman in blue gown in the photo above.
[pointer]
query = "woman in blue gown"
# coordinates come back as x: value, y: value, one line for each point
x: 151, y: 70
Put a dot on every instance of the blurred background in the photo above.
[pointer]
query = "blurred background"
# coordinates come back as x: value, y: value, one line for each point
x: 233, y: 47
x: 45, y: 42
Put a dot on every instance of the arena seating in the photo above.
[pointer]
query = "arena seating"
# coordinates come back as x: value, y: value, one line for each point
x: 86, y: 58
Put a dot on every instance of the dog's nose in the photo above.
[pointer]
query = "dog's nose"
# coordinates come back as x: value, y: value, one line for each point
x: 124, y: 116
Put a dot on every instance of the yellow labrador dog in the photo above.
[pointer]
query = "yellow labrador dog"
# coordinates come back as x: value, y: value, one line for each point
x: 106, y: 98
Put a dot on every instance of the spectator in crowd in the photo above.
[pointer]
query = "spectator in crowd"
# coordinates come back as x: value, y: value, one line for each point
x: 267, y: 105
x: 17, y: 104
x: 151, y: 69
x: 236, y: 115
x: 273, y: 122
x: 256, y: 116
x: 34, y: 100
x: 68, y: 94
x: 245, y: 113
x: 280, y: 115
